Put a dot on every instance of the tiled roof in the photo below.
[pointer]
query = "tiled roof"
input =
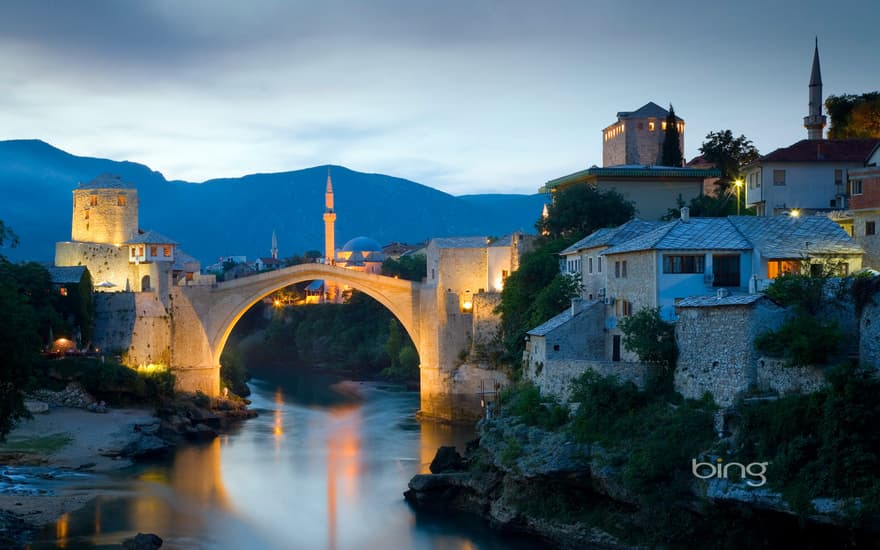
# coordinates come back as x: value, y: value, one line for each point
x: 610, y: 236
x: 150, y: 237
x: 181, y: 258
x: 695, y: 234
x: 713, y: 301
x: 66, y: 274
x: 789, y: 237
x: 459, y: 242
x: 106, y: 181
x: 823, y: 150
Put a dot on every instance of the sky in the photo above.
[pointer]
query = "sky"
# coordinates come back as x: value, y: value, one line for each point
x: 465, y: 96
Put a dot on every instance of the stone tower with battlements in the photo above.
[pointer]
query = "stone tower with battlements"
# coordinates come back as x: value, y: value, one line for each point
x: 815, y: 121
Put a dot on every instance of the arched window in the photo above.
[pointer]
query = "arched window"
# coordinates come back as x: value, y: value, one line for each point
x: 145, y: 283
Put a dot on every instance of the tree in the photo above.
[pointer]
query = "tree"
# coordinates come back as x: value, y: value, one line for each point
x: 650, y: 337
x: 394, y: 343
x: 413, y: 267
x: 854, y: 116
x: 578, y: 210
x: 729, y: 155
x: 672, y: 142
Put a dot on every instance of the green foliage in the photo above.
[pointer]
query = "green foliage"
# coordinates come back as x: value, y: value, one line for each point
x: 802, y: 292
x: 649, y: 435
x: 671, y: 154
x: 854, y: 116
x: 729, y: 155
x: 393, y: 344
x: 524, y: 401
x: 578, y: 210
x: 821, y: 445
x: 233, y: 373
x: 413, y: 267
x: 802, y: 340
x: 7, y: 237
x: 533, y: 294
x: 650, y: 337
x: 863, y: 289
x: 105, y: 380
x: 348, y: 337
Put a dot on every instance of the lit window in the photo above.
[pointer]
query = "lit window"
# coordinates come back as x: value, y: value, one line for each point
x: 775, y: 268
x: 663, y: 125
x: 93, y: 200
x: 651, y: 125
x: 166, y: 251
x: 120, y: 200
x: 154, y: 251
x: 62, y: 291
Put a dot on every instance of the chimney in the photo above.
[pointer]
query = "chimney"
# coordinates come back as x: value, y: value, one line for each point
x: 685, y: 214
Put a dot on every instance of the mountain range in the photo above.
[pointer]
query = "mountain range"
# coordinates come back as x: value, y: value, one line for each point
x: 236, y: 216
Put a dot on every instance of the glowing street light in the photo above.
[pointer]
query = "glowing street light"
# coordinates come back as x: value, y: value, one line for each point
x: 738, y: 183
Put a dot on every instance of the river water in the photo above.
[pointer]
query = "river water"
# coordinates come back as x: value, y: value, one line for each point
x: 317, y: 469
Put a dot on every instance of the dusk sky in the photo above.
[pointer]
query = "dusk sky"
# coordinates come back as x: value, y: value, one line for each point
x: 467, y: 97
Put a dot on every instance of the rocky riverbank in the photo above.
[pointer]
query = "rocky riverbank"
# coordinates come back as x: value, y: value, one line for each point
x: 72, y: 433
x: 525, y: 479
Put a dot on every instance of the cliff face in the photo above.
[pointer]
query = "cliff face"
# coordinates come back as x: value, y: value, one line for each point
x: 542, y: 484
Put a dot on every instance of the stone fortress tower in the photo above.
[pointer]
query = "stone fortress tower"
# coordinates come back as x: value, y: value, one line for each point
x: 105, y: 210
x: 637, y: 137
x: 815, y: 121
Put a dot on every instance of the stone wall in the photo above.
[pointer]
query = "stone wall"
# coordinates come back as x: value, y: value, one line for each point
x: 716, y: 352
x: 107, y: 262
x: 134, y: 325
x: 486, y: 324
x: 869, y: 328
x: 774, y: 376
x: 637, y: 288
x: 98, y: 216
x: 555, y: 376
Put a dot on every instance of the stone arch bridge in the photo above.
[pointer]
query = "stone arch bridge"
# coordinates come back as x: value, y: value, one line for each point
x: 202, y: 317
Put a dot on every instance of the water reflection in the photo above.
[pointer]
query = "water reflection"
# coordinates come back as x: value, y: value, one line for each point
x: 323, y: 471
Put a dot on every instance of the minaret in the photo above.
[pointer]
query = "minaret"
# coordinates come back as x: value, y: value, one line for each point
x: 815, y: 122
x: 329, y: 220
x: 274, y: 246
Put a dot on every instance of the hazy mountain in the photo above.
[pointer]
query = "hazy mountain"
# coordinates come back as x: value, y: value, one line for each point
x: 237, y: 215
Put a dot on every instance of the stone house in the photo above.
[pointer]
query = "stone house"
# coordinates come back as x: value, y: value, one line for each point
x: 637, y: 137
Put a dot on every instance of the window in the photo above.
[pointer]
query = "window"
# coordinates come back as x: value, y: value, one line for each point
x: 778, y: 177
x: 87, y: 214
x: 623, y: 308
x: 154, y: 250
x: 590, y: 264
x: 775, y: 268
x: 620, y: 269
x: 504, y: 274
x: 691, y: 263
x: 641, y: 125
x: 93, y: 200
x: 62, y: 291
x: 599, y: 265
x: 856, y: 187
x: 120, y: 200
x: 663, y: 125
x: 838, y: 177
x: 166, y: 251
x: 651, y: 125
x: 870, y: 229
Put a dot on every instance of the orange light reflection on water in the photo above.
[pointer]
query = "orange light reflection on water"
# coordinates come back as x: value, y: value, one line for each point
x: 344, y: 459
x: 61, y: 530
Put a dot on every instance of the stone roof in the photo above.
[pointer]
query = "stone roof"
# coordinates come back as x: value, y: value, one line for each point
x: 150, y: 237
x: 459, y: 242
x: 714, y: 301
x: 695, y: 234
x: 181, y: 258
x: 789, y: 237
x: 823, y: 150
x: 546, y: 328
x: 66, y: 274
x: 106, y: 181
x: 362, y: 244
x: 610, y: 236
x: 648, y: 110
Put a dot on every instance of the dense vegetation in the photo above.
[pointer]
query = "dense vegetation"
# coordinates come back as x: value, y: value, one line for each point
x: 104, y: 380
x: 671, y: 153
x: 854, y: 116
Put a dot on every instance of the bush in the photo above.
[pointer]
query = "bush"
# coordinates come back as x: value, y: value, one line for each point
x: 524, y: 400
x: 650, y: 337
x: 802, y: 340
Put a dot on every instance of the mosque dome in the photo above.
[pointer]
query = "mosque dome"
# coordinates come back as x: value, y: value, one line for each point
x: 362, y: 244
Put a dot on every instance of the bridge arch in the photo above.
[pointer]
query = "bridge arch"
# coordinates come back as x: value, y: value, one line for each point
x: 232, y: 299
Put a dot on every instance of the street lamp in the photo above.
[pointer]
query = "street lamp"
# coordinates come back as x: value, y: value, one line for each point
x: 738, y: 183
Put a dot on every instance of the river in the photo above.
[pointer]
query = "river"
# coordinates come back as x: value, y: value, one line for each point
x: 317, y: 469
